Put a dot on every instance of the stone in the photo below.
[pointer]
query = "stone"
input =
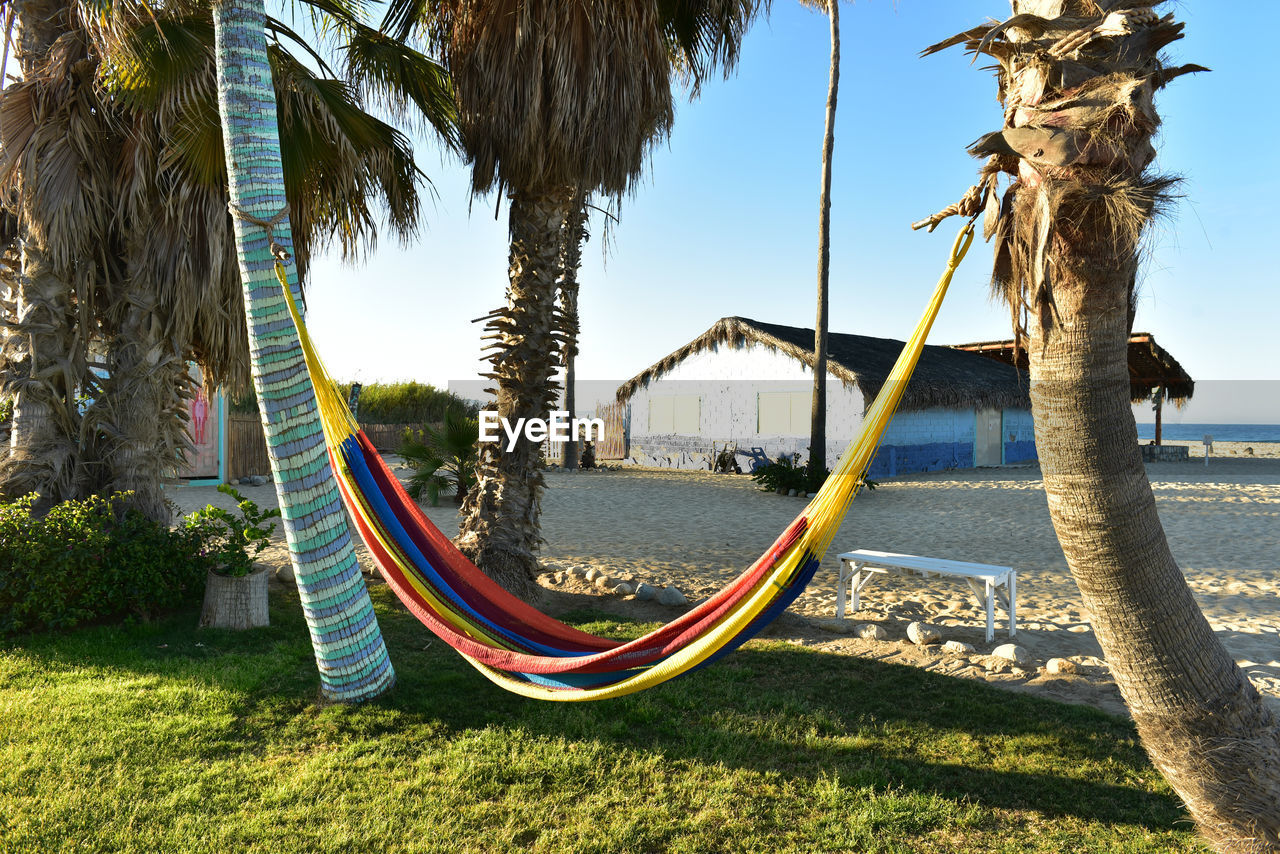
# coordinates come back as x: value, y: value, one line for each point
x: 837, y: 626
x: 645, y: 592
x: 870, y: 631
x: 791, y: 493
x: 1011, y: 652
x: 284, y: 573
x: 559, y: 578
x: 257, y: 480
x: 592, y: 574
x: 922, y: 634
x: 621, y: 589
x: 672, y: 597
x: 1056, y: 666
x: 1017, y: 671
x: 958, y: 647
x: 604, y: 582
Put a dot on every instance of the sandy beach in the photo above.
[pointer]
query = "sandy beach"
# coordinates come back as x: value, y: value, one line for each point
x: 697, y: 531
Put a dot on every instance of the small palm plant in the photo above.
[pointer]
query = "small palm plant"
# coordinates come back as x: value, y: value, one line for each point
x: 445, y: 457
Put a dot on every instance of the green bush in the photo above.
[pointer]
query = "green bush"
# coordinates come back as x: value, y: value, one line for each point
x: 442, y: 459
x: 391, y: 403
x: 785, y: 474
x: 407, y: 403
x: 232, y: 540
x: 91, y: 559
x: 782, y: 474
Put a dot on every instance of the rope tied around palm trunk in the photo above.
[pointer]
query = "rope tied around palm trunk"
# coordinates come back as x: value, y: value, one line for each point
x: 268, y: 225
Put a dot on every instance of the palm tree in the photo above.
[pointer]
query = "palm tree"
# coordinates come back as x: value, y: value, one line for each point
x: 339, y: 162
x: 1078, y: 87
x: 46, y: 351
x: 175, y: 295
x: 572, y: 237
x: 555, y: 98
x: 818, y: 418
x: 345, y: 635
x: 445, y: 457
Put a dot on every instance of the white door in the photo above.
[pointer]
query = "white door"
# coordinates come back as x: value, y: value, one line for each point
x: 988, y: 441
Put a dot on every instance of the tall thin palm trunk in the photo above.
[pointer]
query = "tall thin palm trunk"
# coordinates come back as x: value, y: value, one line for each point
x: 575, y: 235
x: 348, y: 644
x: 818, y: 423
x: 500, y: 527
x: 1078, y: 86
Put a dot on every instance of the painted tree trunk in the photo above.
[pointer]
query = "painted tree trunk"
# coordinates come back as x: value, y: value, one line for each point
x: 500, y: 529
x: 348, y: 643
x: 575, y: 235
x: 818, y: 423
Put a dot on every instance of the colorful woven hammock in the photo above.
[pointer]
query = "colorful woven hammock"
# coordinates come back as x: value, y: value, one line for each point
x: 525, y: 651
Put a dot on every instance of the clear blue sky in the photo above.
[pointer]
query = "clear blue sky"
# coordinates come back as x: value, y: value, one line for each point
x: 726, y: 220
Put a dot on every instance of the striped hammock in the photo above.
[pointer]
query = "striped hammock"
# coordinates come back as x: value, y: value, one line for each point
x: 525, y: 651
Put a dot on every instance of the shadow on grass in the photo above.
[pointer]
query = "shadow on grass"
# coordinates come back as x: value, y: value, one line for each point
x: 769, y: 708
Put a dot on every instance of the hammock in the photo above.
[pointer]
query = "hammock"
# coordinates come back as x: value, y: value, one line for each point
x: 527, y: 652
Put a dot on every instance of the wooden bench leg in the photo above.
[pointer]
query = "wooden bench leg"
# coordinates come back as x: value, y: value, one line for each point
x: 842, y: 589
x: 1013, y: 602
x: 989, y: 600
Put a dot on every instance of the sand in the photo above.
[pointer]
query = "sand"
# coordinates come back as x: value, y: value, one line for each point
x: 697, y: 531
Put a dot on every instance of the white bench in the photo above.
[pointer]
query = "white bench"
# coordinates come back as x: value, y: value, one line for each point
x: 987, y: 582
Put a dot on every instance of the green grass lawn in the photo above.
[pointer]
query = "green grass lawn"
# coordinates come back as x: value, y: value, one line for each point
x: 162, y: 738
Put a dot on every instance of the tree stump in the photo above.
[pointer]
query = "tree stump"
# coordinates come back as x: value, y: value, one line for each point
x: 236, y: 602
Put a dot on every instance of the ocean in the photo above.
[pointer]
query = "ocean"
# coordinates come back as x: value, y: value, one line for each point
x: 1219, y: 432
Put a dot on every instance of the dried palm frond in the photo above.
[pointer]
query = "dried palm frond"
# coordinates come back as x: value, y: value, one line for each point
x: 1079, y: 118
x: 556, y: 93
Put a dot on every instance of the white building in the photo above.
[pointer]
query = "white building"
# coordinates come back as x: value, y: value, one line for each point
x: 748, y: 385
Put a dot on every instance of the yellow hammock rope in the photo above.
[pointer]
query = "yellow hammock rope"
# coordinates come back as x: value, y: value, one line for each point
x: 824, y: 513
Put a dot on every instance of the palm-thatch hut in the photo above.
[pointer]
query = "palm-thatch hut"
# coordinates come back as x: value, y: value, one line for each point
x: 1153, y: 373
x: 747, y: 385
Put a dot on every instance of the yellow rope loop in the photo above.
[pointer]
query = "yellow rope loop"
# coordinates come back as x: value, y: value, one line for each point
x: 960, y: 247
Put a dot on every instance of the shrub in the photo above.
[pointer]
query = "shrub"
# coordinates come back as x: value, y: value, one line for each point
x: 231, y: 540
x: 782, y: 474
x: 407, y: 403
x: 91, y: 559
x: 442, y: 459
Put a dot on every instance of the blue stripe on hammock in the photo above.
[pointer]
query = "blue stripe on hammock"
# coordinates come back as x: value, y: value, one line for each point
x: 420, y: 566
x: 788, y: 595
x: 784, y: 600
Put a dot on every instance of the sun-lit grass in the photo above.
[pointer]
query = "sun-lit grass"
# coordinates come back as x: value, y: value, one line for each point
x: 164, y: 738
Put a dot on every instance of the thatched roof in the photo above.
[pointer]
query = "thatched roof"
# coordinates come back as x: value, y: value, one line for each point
x: 1150, y: 366
x: 944, y: 376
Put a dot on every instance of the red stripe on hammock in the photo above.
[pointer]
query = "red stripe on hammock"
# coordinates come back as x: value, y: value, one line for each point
x: 654, y: 646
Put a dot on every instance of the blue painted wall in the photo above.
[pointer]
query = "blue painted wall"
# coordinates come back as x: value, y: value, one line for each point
x: 925, y: 440
x: 1019, y: 437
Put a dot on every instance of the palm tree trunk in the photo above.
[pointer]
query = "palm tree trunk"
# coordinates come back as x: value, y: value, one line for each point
x: 818, y: 422
x: 141, y: 395
x: 500, y: 530
x: 1068, y: 239
x: 47, y: 366
x: 1199, y: 717
x: 575, y: 235
x: 348, y: 643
